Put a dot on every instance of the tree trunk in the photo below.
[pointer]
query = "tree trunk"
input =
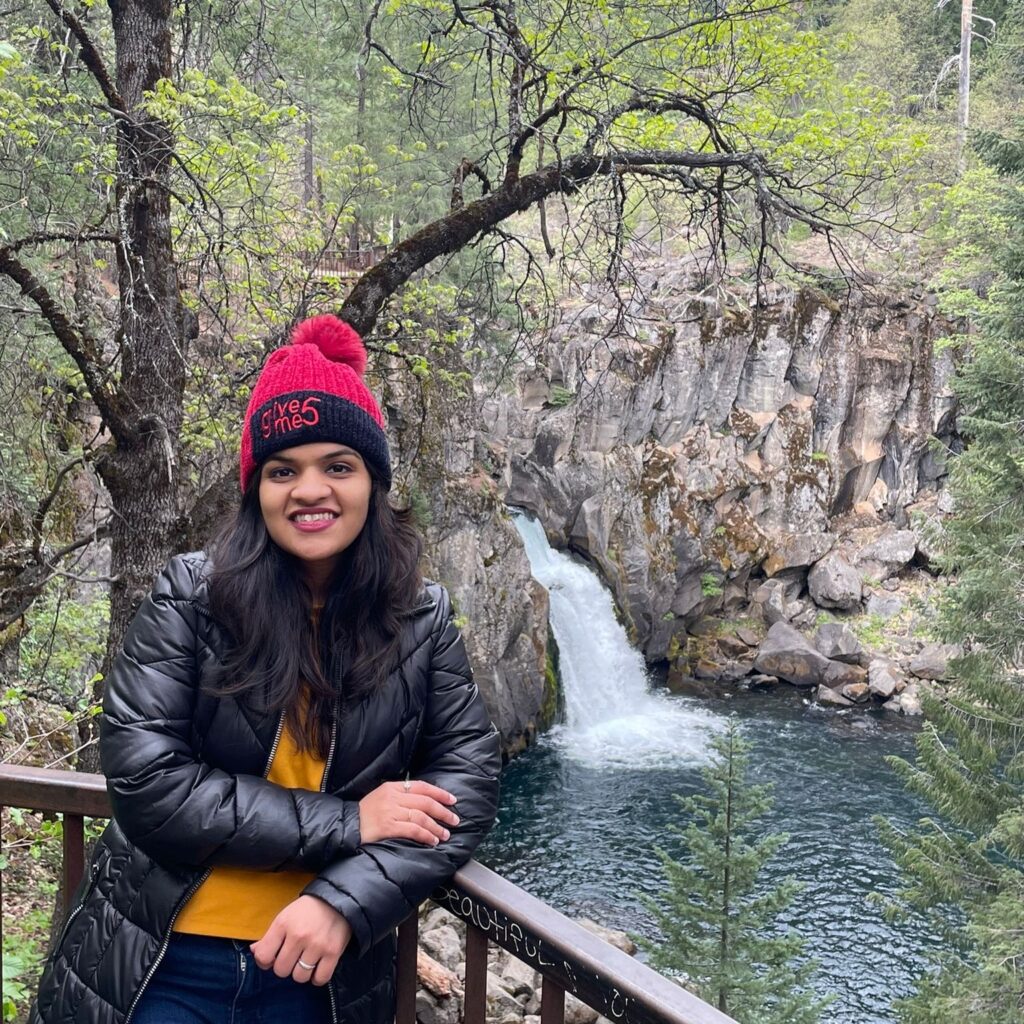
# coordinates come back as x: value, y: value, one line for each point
x: 141, y: 473
x: 963, y: 113
x: 309, y: 190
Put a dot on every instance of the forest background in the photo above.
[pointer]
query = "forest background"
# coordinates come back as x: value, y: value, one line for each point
x: 179, y: 184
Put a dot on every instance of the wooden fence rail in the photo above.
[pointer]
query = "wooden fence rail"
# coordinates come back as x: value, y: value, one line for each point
x: 568, y: 958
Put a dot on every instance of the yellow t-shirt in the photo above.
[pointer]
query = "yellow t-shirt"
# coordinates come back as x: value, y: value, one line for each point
x: 239, y: 903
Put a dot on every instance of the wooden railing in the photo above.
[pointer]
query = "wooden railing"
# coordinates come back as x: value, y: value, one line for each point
x: 344, y: 264
x: 568, y: 958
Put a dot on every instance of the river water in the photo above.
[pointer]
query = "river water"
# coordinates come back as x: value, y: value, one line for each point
x: 582, y: 811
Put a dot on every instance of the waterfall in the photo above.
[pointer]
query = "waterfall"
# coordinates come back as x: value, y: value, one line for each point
x: 612, y: 717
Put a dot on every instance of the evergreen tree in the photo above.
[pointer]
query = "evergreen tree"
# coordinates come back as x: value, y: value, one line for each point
x: 965, y: 866
x: 719, y: 930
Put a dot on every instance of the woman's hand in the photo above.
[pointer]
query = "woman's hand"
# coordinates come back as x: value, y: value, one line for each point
x: 306, y: 932
x: 406, y: 810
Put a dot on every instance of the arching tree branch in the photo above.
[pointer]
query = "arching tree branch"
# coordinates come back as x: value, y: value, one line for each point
x: 90, y: 55
x: 451, y: 233
x: 76, y: 342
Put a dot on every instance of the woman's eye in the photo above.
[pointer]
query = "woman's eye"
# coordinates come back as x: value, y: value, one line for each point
x: 339, y: 467
x: 278, y: 472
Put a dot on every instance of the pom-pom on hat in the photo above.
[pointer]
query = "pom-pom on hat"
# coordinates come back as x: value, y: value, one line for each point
x: 312, y: 390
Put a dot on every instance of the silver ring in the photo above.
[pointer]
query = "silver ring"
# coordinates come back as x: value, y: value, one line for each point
x: 304, y: 965
x: 407, y: 785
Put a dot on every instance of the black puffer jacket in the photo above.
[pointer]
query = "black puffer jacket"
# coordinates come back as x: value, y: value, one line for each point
x: 185, y: 776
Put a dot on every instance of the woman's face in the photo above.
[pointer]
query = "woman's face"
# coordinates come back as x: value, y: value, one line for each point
x: 315, y: 499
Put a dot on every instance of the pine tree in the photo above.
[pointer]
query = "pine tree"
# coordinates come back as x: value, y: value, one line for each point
x: 719, y: 930
x: 965, y: 866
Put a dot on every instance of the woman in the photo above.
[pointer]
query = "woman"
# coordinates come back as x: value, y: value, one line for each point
x: 295, y: 752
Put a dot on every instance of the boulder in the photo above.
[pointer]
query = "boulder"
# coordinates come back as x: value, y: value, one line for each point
x: 838, y: 642
x: 771, y: 598
x: 443, y: 944
x: 733, y: 646
x: 749, y: 636
x: 577, y: 1012
x: 909, y: 703
x: 840, y: 674
x: 795, y: 550
x: 825, y: 695
x: 500, y: 1001
x: 884, y: 606
x: 762, y: 682
x: 857, y: 692
x: 705, y: 668
x: 883, y: 678
x: 883, y: 551
x: 926, y: 520
x: 432, y: 1010
x: 932, y: 662
x: 785, y: 653
x: 519, y: 978
x: 435, y: 917
x: 803, y: 615
x: 734, y: 671
x: 834, y: 583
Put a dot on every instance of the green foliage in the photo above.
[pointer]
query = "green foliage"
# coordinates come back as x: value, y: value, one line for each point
x: 560, y: 397
x: 710, y: 585
x: 15, y: 990
x: 25, y: 939
x: 870, y: 630
x: 65, y: 642
x: 419, y: 503
x: 721, y: 932
x: 965, y: 866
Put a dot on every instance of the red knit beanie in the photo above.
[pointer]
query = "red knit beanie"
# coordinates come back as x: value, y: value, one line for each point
x: 312, y: 390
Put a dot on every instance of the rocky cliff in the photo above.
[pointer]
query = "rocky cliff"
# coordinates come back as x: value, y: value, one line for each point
x: 713, y: 461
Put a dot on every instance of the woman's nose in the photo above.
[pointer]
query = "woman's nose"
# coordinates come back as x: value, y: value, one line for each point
x: 310, y: 485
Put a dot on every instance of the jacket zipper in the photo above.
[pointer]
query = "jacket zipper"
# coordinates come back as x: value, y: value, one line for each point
x: 94, y: 870
x: 330, y: 749
x: 191, y: 891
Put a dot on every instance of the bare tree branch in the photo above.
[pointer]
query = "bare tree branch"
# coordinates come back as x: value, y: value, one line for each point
x: 43, y: 237
x: 90, y: 55
x: 76, y: 342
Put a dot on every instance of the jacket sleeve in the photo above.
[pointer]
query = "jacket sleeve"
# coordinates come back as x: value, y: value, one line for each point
x: 459, y: 751
x: 168, y: 802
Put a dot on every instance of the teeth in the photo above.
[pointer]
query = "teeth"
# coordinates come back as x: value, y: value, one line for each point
x: 313, y: 517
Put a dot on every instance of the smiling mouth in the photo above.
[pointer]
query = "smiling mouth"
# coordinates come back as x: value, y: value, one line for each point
x: 313, y: 517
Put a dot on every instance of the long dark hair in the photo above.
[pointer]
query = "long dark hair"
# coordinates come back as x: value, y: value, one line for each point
x: 279, y: 650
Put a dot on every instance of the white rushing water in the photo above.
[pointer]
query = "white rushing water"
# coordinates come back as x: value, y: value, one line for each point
x: 612, y: 717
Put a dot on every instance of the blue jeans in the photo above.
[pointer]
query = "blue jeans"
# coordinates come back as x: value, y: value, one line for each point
x: 204, y: 980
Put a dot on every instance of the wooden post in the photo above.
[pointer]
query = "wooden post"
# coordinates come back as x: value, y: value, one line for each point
x: 552, y: 1002
x: 405, y: 978
x: 74, y: 856
x: 474, y: 1010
